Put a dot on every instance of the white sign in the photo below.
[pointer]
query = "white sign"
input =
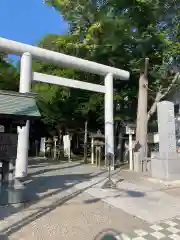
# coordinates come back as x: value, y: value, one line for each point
x: 67, y: 145
x: 1, y: 128
x: 156, y: 138
x: 130, y: 130
x: 42, y: 145
x: 153, y: 138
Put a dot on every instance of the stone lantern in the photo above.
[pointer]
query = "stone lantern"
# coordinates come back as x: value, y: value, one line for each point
x: 97, y: 145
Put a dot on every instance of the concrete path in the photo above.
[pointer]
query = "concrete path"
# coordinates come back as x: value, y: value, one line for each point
x: 140, y: 201
x: 68, y: 203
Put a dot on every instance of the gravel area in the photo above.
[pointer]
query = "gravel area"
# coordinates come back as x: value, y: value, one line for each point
x: 82, y: 217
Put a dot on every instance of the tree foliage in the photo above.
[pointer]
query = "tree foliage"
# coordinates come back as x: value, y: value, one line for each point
x: 116, y: 33
x: 9, y: 77
x: 112, y: 32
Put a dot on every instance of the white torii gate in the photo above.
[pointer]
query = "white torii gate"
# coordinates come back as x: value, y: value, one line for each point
x: 27, y: 52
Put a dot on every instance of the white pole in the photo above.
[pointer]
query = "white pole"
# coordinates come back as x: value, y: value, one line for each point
x: 55, y: 149
x: 21, y: 167
x: 69, y: 147
x: 109, y: 119
x: 92, y: 150
x: 131, y: 167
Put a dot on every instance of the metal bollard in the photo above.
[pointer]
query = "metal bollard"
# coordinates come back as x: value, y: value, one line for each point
x: 109, y: 183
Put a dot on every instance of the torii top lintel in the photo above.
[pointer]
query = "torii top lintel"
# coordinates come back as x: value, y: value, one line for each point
x: 64, y: 60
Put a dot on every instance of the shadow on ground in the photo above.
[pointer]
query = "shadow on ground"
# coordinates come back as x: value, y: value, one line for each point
x: 41, y: 187
x: 3, y: 237
x: 55, y: 182
x: 124, y: 193
x: 42, y: 171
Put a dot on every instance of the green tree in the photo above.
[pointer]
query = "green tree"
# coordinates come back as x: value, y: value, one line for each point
x: 122, y: 34
x: 9, y: 77
x: 58, y: 103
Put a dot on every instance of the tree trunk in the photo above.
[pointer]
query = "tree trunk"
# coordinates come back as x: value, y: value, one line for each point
x: 85, y: 142
x: 160, y: 94
x: 154, y: 106
x: 141, y: 128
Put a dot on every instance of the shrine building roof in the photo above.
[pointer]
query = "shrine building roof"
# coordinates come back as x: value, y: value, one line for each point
x: 18, y: 104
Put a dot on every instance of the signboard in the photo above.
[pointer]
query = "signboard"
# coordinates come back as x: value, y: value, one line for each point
x: 43, y: 145
x: 1, y: 128
x: 8, y: 146
x: 156, y: 138
x: 130, y: 130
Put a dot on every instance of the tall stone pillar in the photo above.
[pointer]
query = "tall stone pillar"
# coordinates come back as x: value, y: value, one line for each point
x: 166, y: 165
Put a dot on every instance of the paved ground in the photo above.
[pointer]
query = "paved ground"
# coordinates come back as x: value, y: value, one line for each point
x: 68, y: 204
x: 141, y: 201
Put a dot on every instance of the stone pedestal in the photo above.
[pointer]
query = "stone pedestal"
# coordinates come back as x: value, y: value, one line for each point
x: 137, y: 164
x: 12, y: 192
x: 165, y: 169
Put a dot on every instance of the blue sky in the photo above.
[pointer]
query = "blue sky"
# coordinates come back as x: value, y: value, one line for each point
x: 29, y: 20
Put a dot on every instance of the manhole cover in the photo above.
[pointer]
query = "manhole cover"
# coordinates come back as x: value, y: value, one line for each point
x: 109, y: 235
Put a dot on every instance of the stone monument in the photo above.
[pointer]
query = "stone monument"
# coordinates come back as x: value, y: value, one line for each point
x: 97, y: 145
x: 166, y: 164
